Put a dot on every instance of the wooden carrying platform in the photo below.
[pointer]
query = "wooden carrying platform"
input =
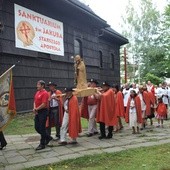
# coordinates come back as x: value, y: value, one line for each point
x: 84, y: 92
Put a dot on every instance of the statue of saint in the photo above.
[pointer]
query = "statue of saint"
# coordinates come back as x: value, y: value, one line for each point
x: 80, y: 73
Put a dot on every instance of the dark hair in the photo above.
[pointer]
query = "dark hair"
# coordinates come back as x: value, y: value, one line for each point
x: 164, y: 83
x: 42, y: 83
x: 134, y: 92
x: 160, y: 100
x: 116, y: 87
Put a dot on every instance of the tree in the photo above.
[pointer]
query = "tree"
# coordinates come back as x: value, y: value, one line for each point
x: 166, y: 29
x: 154, y: 79
x: 142, y: 26
x: 165, y: 39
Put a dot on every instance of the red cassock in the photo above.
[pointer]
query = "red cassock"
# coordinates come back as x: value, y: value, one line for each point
x: 84, y: 108
x: 147, y: 101
x: 153, y: 90
x: 74, y: 126
x: 120, y: 105
x: 138, y: 110
x: 61, y: 113
x: 161, y: 110
x: 106, y: 109
x: 152, y: 98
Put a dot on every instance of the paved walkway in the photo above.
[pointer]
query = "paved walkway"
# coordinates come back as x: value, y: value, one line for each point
x: 20, y: 152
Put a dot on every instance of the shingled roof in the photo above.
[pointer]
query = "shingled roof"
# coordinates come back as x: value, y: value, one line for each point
x: 85, y: 9
x: 82, y: 5
x: 115, y: 34
x: 108, y: 30
x: 76, y: 5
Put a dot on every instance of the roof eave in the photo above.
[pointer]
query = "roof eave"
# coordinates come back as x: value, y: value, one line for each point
x: 122, y: 40
x: 88, y: 13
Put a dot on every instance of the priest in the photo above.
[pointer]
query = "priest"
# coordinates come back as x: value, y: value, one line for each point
x: 106, y: 115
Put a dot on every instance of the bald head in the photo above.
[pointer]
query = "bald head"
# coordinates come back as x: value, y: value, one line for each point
x: 149, y: 83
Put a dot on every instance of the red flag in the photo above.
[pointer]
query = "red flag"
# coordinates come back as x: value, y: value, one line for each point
x: 7, y: 99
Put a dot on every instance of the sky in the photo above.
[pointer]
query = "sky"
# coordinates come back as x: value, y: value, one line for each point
x: 112, y: 10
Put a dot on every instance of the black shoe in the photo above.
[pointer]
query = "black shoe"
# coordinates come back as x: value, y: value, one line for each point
x: 40, y: 147
x: 56, y: 139
x: 90, y: 134
x: 48, y: 140
x: 109, y: 136
x: 72, y: 143
x: 58, y: 136
x: 95, y: 133
x: 62, y: 143
x: 3, y: 146
x: 102, y: 137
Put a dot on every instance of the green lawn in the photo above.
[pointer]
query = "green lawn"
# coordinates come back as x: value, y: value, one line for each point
x: 24, y: 124
x: 21, y: 124
x: 148, y: 158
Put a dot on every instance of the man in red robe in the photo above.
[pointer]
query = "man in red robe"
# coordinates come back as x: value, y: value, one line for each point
x: 152, y: 105
x: 150, y: 87
x: 106, y: 115
x: 119, y: 106
x: 55, y: 115
x: 145, y: 105
x: 71, y: 119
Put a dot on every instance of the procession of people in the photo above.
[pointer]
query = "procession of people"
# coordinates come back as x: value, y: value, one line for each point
x: 108, y: 107
x: 105, y: 104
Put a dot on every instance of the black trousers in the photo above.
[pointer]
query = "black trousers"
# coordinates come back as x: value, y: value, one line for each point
x: 40, y: 125
x: 2, y: 139
x: 103, y: 131
x: 54, y: 118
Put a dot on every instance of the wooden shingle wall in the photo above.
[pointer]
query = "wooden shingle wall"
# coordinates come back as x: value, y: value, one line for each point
x: 34, y: 66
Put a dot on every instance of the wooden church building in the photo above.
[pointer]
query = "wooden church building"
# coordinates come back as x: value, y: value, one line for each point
x: 44, y: 35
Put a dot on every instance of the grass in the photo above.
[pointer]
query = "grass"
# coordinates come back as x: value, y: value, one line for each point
x: 146, y: 158
x: 24, y: 124
x: 21, y: 124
